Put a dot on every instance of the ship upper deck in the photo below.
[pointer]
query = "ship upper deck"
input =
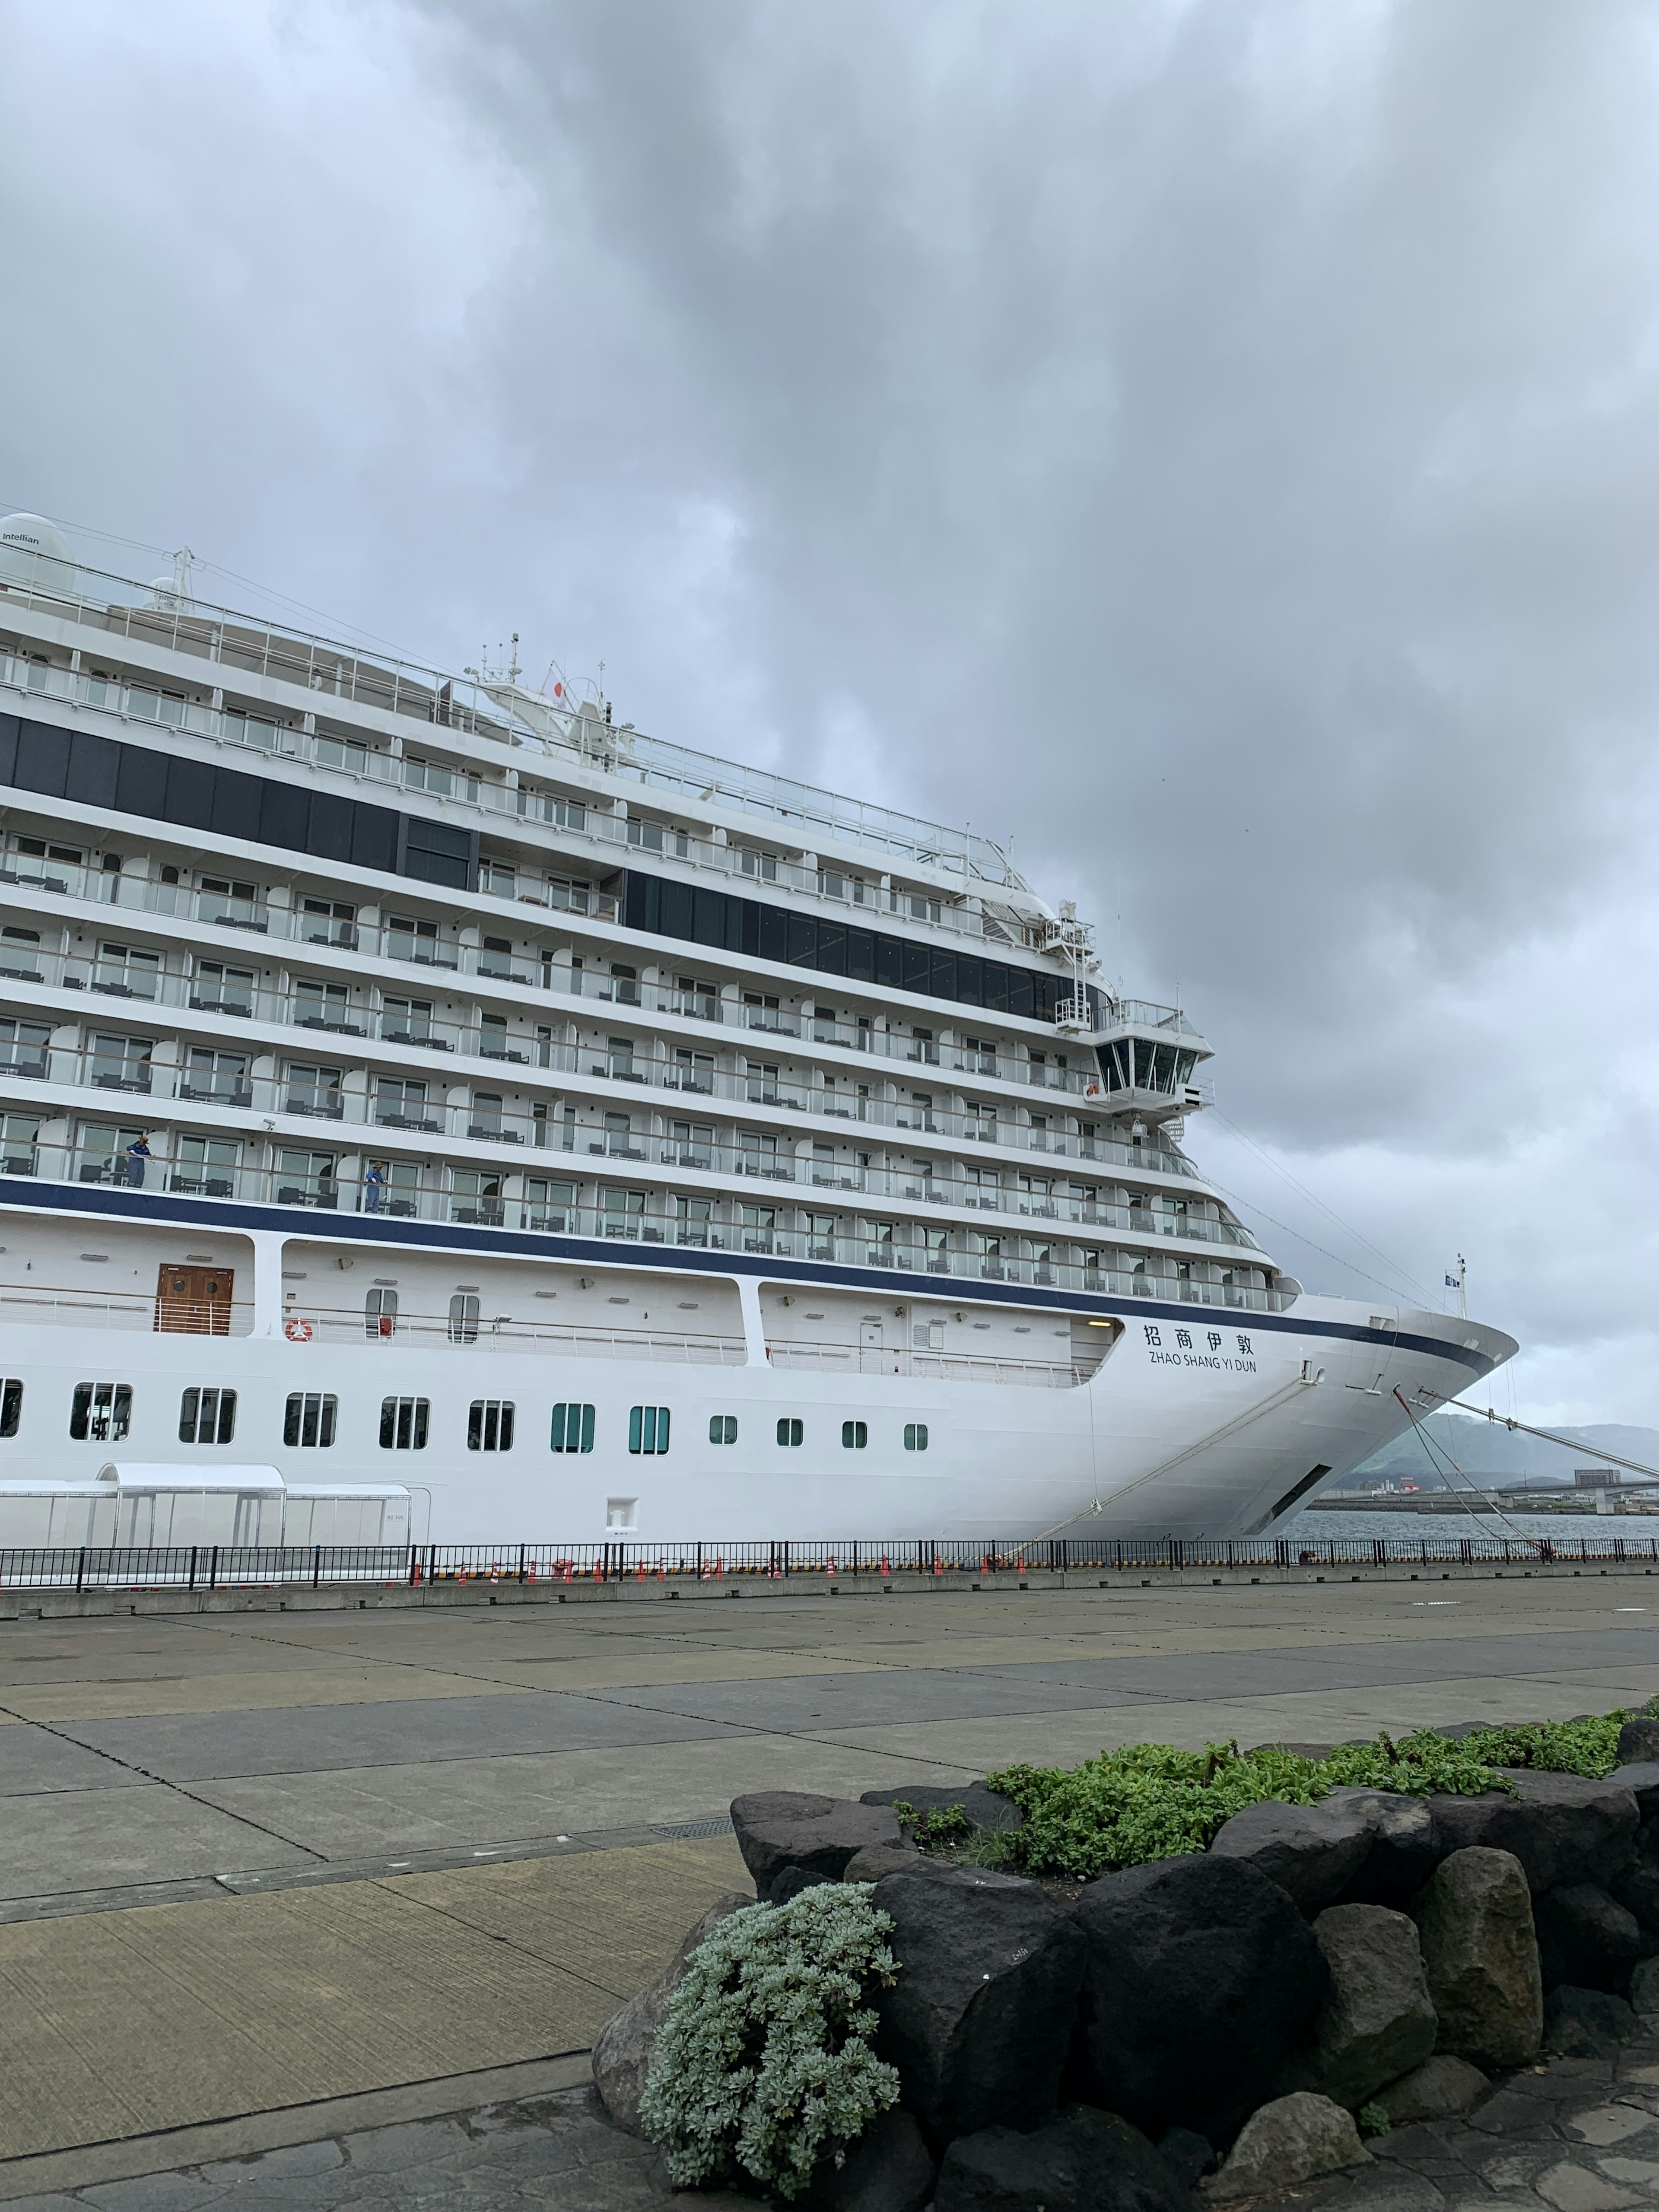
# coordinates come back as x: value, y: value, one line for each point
x: 493, y: 712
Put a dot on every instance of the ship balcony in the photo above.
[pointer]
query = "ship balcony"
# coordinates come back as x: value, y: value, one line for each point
x: 146, y: 1067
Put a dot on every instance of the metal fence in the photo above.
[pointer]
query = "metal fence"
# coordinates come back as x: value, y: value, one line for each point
x: 223, y: 1567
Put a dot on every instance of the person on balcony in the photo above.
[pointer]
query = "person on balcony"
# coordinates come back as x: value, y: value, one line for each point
x: 374, y: 1184
x: 138, y: 1152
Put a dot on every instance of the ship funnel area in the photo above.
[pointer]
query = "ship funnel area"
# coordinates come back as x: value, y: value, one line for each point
x: 35, y: 554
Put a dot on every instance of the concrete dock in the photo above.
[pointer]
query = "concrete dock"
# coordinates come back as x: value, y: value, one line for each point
x: 266, y: 1872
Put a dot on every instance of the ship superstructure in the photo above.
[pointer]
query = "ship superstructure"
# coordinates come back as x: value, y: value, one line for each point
x: 556, y: 1084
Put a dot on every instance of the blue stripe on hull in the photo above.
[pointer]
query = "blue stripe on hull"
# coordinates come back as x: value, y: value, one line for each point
x: 527, y: 1245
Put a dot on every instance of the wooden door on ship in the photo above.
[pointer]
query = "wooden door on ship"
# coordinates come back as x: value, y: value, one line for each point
x: 194, y: 1301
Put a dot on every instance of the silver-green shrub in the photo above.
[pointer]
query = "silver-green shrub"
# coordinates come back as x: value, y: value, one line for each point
x: 764, y: 2061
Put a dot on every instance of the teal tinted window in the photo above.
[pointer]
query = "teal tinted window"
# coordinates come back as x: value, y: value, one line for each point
x: 572, y: 1429
x: 647, y: 1428
x: 915, y: 1436
x: 790, y: 1432
x: 722, y: 1428
x: 854, y: 1435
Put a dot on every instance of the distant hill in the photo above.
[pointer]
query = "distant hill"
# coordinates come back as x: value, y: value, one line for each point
x: 1489, y: 1451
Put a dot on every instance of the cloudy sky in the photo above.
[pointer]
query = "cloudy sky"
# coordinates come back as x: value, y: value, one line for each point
x: 1210, y: 441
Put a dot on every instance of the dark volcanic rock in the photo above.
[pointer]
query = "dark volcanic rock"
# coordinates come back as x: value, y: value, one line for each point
x: 1079, y: 2160
x: 791, y: 1882
x: 1202, y: 1978
x: 1378, y: 2022
x: 889, y: 2169
x: 1443, y: 2088
x: 1587, y: 2023
x: 1638, y: 1740
x: 876, y: 1860
x: 1405, y: 1847
x: 1637, y: 1890
x: 984, y: 1806
x: 1474, y: 1920
x: 781, y: 1828
x: 1313, y: 1851
x: 1294, y: 2139
x: 979, y: 2020
x: 1639, y: 1776
x: 1585, y: 1938
x: 1189, y: 2156
x: 1561, y: 1827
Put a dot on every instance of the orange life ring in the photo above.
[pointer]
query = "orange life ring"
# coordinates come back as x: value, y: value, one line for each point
x: 298, y: 1331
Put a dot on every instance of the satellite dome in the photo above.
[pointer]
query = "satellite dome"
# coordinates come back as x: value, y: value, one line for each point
x: 34, y: 551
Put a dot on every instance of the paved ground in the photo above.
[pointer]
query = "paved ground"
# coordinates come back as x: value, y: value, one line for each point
x: 251, y: 1860
x: 1571, y: 2135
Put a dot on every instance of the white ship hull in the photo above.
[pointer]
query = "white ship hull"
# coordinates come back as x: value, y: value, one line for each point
x: 1196, y: 1421
x: 790, y: 1132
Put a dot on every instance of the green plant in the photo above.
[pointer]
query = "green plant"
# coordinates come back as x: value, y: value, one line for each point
x: 1589, y: 1747
x: 1373, y: 2120
x: 762, y: 2066
x: 1149, y: 1800
x: 944, y: 1824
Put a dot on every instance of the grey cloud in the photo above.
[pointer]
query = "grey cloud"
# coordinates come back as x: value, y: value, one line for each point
x: 1212, y: 442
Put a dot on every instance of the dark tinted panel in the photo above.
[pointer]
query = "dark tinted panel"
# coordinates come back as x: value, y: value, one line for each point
x: 42, y: 758
x: 436, y: 868
x: 828, y: 946
x: 329, y: 833
x: 373, y: 837
x: 285, y: 810
x: 141, y: 784
x: 708, y: 917
x: 93, y: 765
x: 7, y: 748
x: 236, y: 809
x: 190, y: 794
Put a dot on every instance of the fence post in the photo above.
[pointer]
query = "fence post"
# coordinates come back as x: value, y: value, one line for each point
x: 192, y: 1566
x: 80, y: 1570
x: 317, y: 1567
x: 213, y: 1570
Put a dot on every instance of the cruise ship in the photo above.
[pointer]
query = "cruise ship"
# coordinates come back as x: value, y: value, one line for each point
x: 434, y: 1110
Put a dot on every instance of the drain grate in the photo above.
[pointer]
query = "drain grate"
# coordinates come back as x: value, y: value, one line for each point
x: 681, y: 1831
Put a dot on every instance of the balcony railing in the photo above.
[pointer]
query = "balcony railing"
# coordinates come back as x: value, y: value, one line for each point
x: 429, y: 1195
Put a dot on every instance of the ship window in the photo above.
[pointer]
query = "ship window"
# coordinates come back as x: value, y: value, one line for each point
x: 127, y: 971
x: 342, y: 752
x: 463, y: 1318
x: 403, y: 1423
x: 915, y: 1436
x: 306, y: 1179
x: 101, y: 1412
x: 572, y: 1429
x: 23, y: 1047
x: 312, y: 1090
x: 380, y: 1312
x: 11, y: 1404
x: 308, y: 1417
x: 207, y: 1417
x: 223, y: 990
x: 790, y: 1433
x: 547, y: 1205
x: 489, y: 1425
x: 723, y: 1427
x: 692, y: 1220
x: 206, y: 1165
x: 20, y: 1134
x: 854, y: 1435
x: 647, y: 1428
